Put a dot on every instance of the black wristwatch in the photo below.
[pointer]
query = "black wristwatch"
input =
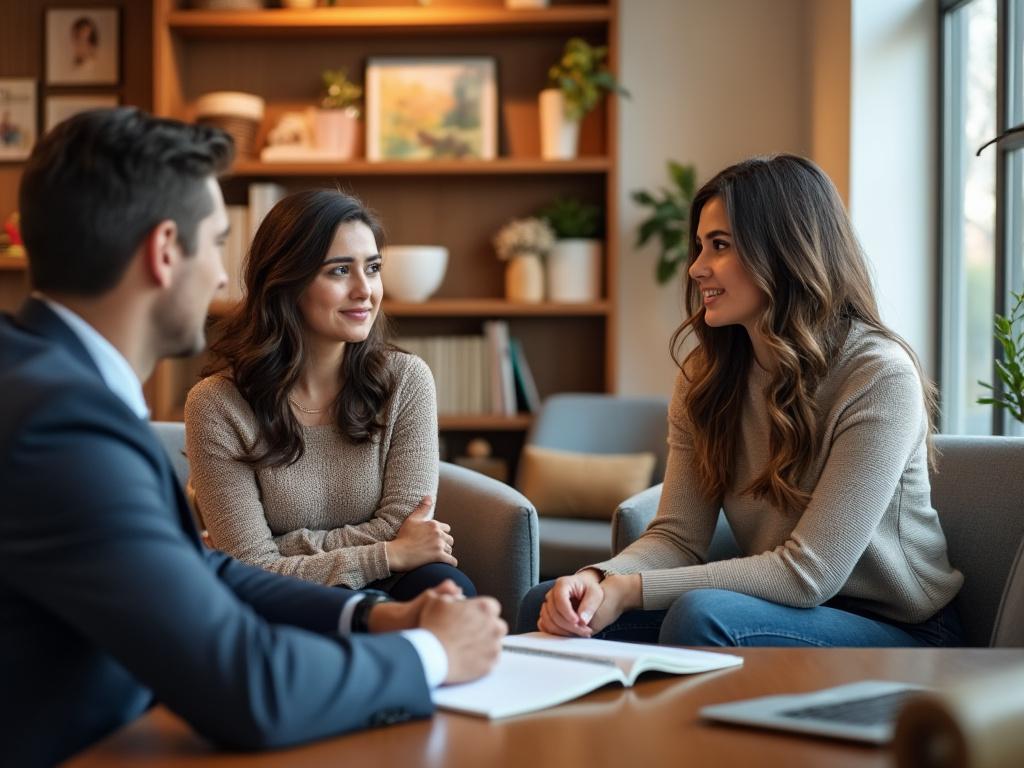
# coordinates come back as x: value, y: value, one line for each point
x: 361, y: 613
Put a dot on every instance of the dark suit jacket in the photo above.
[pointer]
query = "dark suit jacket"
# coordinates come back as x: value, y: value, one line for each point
x: 108, y: 598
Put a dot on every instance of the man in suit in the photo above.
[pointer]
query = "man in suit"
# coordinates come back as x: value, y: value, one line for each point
x: 108, y: 599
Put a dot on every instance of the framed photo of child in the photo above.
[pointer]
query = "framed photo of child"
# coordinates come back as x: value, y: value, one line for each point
x: 83, y: 46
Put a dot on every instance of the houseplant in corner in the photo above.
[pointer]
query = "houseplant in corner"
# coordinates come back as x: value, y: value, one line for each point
x: 576, y: 84
x: 336, y: 121
x: 574, y: 262
x: 1009, y: 332
x: 669, y: 219
x: 523, y: 243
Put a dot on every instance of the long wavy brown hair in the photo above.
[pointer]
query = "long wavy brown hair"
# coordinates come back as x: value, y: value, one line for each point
x: 262, y: 347
x: 793, y: 236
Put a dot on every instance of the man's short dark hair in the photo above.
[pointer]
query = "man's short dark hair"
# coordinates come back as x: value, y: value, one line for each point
x: 99, y: 182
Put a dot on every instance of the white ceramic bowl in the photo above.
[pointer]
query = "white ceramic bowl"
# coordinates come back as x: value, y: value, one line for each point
x: 413, y: 272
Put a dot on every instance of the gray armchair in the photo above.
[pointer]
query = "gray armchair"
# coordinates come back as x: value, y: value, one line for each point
x: 495, y: 526
x: 978, y: 492
x: 594, y: 423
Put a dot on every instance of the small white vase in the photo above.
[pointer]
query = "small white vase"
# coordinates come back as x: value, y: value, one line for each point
x: 524, y: 279
x: 334, y: 132
x: 574, y: 270
x: 559, y: 135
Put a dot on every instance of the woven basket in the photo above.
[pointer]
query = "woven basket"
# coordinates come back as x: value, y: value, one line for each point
x: 238, y: 114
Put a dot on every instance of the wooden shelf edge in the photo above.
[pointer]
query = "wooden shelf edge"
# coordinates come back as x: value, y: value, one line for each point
x: 13, y: 264
x: 465, y: 308
x: 484, y: 422
x: 499, y: 167
x: 492, y: 307
x: 408, y: 20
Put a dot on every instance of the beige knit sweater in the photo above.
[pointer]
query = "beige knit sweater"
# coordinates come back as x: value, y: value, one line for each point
x: 869, y: 532
x: 326, y: 517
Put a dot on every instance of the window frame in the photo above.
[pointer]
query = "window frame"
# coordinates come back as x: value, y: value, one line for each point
x: 1009, y: 191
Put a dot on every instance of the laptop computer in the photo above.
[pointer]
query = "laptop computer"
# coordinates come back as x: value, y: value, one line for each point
x: 864, y: 711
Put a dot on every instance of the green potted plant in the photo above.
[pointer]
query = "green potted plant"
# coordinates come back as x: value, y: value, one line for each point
x: 574, y: 262
x: 669, y: 221
x: 1009, y: 332
x: 336, y: 121
x: 577, y: 82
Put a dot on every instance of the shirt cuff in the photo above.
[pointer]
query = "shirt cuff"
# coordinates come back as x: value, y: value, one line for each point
x: 347, y: 610
x: 431, y: 652
x: 424, y: 642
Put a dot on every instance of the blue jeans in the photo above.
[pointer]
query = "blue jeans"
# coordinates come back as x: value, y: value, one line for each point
x: 718, y: 617
x: 406, y: 586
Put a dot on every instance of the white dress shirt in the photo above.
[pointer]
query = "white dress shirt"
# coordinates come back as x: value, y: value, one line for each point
x: 119, y: 376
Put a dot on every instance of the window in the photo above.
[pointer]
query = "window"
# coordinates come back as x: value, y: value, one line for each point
x: 983, y: 201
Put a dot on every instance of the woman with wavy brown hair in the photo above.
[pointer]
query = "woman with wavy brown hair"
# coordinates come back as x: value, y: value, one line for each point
x: 312, y: 440
x: 802, y: 417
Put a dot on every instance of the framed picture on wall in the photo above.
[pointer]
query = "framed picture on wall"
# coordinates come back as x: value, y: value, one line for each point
x: 60, y: 108
x: 83, y: 46
x: 431, y: 108
x: 17, y: 117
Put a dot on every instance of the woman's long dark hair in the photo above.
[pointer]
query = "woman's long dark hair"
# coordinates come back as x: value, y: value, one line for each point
x: 794, y: 238
x: 261, y: 344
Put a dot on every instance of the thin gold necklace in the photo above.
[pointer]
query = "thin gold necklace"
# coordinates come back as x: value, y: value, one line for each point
x: 310, y: 411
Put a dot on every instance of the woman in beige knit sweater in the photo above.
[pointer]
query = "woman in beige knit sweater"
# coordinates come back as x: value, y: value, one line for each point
x: 313, y: 441
x: 804, y: 418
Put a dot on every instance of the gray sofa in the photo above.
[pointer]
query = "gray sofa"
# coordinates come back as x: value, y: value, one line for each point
x: 978, y: 492
x: 593, y: 423
x: 494, y: 526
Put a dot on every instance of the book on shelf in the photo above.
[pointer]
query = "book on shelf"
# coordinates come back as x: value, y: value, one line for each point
x: 235, y: 248
x: 460, y: 368
x: 503, y: 388
x: 263, y: 195
x: 526, y: 388
x: 537, y: 671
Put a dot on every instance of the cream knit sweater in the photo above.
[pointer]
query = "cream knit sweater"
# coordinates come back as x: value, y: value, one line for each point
x: 869, y: 532
x: 326, y: 517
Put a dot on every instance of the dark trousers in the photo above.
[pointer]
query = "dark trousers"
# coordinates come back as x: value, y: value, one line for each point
x: 406, y: 586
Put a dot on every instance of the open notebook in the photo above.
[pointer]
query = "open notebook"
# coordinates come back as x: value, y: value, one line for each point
x: 536, y: 671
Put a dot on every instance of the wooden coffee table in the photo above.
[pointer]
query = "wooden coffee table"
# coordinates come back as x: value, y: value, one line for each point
x: 654, y: 723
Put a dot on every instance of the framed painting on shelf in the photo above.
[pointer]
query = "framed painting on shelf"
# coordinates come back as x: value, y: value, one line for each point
x: 431, y: 108
x: 82, y: 46
x: 17, y: 117
x: 60, y: 108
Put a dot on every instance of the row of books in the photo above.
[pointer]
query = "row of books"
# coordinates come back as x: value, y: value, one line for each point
x: 478, y: 374
x: 244, y: 220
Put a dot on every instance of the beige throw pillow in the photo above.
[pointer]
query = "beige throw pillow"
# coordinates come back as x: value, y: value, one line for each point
x: 568, y: 484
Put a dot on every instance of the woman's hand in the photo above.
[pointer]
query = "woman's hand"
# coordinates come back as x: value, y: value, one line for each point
x: 420, y: 540
x: 583, y: 604
x: 570, y: 604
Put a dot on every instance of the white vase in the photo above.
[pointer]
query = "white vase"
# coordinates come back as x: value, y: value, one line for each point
x: 574, y: 270
x: 334, y: 132
x: 524, y: 279
x: 413, y: 272
x: 559, y: 135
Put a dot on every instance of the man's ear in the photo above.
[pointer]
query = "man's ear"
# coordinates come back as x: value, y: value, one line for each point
x: 162, y: 251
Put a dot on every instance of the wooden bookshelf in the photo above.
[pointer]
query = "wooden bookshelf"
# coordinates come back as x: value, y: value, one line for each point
x: 279, y: 54
x: 498, y: 167
x: 482, y: 308
x: 404, y: 21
